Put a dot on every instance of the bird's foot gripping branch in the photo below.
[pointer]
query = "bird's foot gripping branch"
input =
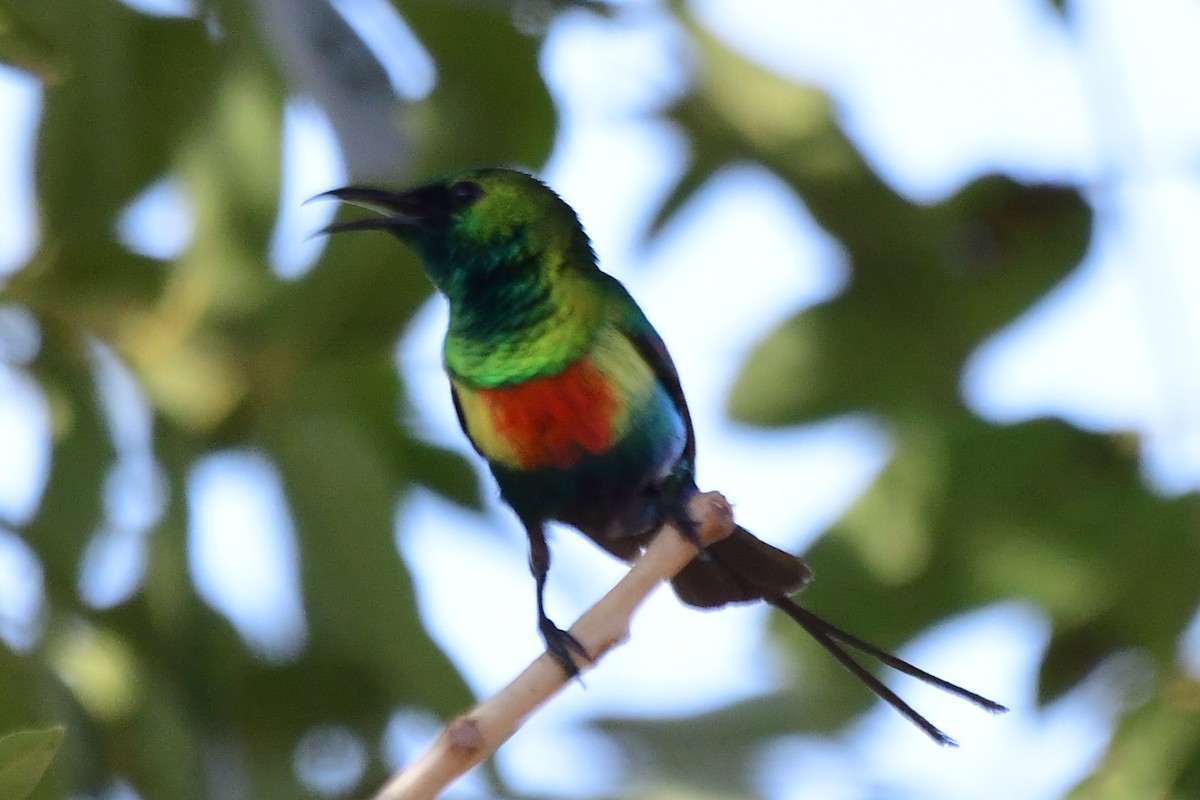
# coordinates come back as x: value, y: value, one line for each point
x: 475, y: 735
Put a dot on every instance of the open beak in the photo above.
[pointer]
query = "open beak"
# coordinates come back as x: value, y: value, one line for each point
x: 395, y: 210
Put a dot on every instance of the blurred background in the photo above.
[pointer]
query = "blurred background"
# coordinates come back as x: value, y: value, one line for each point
x: 928, y: 272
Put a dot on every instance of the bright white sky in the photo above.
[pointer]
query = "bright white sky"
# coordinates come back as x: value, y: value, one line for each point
x: 934, y: 92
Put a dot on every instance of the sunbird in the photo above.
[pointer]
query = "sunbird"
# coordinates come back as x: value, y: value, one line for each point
x: 564, y: 387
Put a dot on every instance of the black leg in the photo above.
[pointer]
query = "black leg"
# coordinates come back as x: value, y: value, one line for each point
x: 559, y: 643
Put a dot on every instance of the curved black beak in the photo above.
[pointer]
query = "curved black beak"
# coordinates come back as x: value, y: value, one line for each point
x: 396, y: 210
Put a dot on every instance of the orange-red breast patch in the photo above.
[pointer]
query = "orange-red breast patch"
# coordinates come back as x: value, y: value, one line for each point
x: 554, y: 421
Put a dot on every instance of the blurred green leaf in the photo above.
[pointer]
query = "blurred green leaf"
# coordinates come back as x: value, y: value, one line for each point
x: 710, y: 753
x: 1039, y: 511
x: 131, y: 86
x: 359, y: 595
x: 490, y: 105
x: 1155, y: 752
x: 24, y: 46
x: 70, y: 508
x: 24, y: 757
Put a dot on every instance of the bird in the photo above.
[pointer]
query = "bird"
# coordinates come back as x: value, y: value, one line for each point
x: 567, y: 391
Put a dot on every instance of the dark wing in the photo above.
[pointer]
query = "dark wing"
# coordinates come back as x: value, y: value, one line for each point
x: 655, y: 352
x: 741, y: 567
x: 650, y: 345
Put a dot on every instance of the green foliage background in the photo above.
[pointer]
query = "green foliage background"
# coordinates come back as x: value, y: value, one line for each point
x: 965, y: 514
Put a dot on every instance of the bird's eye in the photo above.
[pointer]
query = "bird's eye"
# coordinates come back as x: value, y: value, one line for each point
x: 463, y: 193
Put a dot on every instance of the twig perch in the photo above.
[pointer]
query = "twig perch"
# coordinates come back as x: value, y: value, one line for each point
x: 472, y: 737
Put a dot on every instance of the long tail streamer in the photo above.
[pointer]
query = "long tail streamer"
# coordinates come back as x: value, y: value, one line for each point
x: 832, y: 638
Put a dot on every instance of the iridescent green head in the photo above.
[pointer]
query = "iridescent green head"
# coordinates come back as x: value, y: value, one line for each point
x: 477, y: 228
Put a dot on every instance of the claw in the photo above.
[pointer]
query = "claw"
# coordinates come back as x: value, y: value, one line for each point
x: 560, y: 645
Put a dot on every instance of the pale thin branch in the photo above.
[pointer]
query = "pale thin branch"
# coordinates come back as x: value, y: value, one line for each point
x: 472, y: 737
